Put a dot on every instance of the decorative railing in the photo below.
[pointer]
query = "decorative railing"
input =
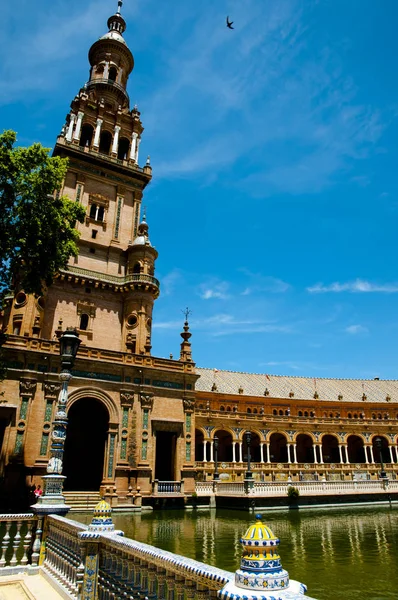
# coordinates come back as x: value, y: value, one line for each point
x: 167, y: 487
x: 42, y: 346
x: 63, y: 556
x: 106, y: 81
x: 107, y: 278
x: 306, y: 488
x: 17, y: 537
x: 86, y: 150
x: 128, y: 568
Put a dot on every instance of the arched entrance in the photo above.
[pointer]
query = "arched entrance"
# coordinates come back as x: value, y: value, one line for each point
x: 385, y: 450
x: 356, y: 451
x: 278, y: 448
x: 86, y: 434
x: 305, y: 449
x: 330, y: 449
x: 224, y: 445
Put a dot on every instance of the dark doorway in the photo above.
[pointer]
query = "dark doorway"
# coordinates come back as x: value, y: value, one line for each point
x: 165, y: 455
x: 88, y: 421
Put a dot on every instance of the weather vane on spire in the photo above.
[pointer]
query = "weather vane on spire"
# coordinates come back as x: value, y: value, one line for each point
x: 186, y: 313
x: 119, y: 6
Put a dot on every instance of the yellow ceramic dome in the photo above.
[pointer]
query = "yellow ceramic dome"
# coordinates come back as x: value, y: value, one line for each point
x: 258, y: 532
x: 102, y: 517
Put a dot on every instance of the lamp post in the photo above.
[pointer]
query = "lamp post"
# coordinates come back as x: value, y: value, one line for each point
x: 379, y: 445
x: 248, y: 474
x: 216, y: 475
x: 52, y: 500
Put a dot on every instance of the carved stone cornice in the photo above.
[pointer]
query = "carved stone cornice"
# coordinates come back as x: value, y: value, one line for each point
x: 146, y: 401
x: 126, y: 398
x: 51, y: 390
x: 27, y: 387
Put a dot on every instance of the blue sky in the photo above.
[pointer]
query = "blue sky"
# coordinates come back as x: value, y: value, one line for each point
x: 274, y: 197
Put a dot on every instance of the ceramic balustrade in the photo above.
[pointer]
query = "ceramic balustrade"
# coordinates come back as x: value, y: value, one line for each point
x: 63, y: 555
x: 17, y: 541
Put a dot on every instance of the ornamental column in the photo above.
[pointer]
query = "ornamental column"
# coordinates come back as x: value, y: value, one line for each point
x: 233, y: 452
x: 115, y: 144
x: 295, y: 453
x: 97, y: 133
x: 68, y: 136
x: 136, y: 151
x: 267, y: 445
x: 315, y: 456
x: 320, y: 454
x: 341, y: 454
x: 205, y: 451
x: 76, y: 135
x: 391, y: 455
x: 262, y: 452
x: 211, y: 450
x: 133, y: 146
x: 372, y: 455
x: 289, y: 458
x: 241, y: 452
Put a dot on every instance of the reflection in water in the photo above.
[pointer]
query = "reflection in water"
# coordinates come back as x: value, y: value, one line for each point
x: 337, y: 554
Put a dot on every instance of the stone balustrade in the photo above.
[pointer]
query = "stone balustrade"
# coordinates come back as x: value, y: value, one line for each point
x: 167, y: 487
x: 306, y: 488
x: 18, y: 537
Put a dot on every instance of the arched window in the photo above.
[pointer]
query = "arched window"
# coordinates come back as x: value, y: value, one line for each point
x: 306, y: 413
x: 254, y: 411
x: 137, y: 268
x: 86, y: 135
x: 123, y: 149
x: 105, y: 142
x: 355, y: 416
x: 228, y: 409
x: 373, y: 416
x: 112, y: 74
x: 83, y: 322
x: 300, y: 413
x: 349, y: 415
x: 379, y: 416
x: 222, y: 407
x: 274, y: 412
x: 331, y: 415
x: 249, y: 410
x: 281, y: 413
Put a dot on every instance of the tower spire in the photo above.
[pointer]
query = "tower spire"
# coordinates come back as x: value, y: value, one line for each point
x: 119, y: 7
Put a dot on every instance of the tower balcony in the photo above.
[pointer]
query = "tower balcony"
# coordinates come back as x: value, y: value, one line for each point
x: 110, y: 86
x: 132, y: 281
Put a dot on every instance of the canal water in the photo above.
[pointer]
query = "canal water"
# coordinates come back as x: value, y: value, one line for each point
x: 340, y: 554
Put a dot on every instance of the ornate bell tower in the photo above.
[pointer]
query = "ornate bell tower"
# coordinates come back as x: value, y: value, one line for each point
x: 108, y: 291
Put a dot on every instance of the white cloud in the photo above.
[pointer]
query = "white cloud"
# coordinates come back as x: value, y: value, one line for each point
x: 214, y: 290
x: 263, y: 283
x: 355, y: 329
x: 356, y: 286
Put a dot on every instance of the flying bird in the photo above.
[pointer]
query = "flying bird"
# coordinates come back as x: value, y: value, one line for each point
x: 230, y: 23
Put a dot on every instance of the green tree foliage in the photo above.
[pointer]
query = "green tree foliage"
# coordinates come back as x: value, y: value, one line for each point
x: 37, y: 230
